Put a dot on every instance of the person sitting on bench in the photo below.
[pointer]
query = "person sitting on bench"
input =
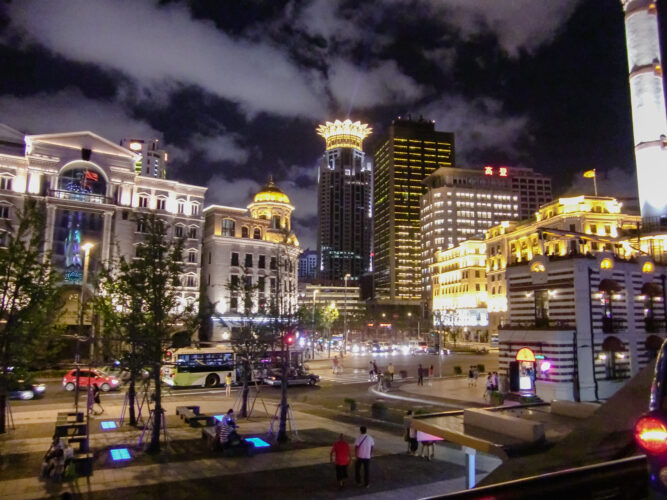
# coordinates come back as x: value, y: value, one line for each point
x: 226, y: 432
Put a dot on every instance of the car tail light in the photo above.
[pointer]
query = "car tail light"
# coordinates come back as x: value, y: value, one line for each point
x: 651, y: 434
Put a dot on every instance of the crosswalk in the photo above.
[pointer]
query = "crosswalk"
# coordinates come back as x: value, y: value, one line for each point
x: 345, y: 377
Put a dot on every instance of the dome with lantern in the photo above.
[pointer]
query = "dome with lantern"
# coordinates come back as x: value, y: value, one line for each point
x: 271, y: 193
x: 272, y: 204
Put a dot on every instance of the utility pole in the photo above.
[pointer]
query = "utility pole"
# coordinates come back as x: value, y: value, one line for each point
x: 347, y: 276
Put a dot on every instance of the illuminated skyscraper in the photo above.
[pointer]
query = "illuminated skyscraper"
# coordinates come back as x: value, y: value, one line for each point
x: 412, y: 150
x: 344, y: 202
x: 648, y: 107
x: 152, y: 161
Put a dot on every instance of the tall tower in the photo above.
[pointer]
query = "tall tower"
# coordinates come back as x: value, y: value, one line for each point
x: 412, y: 150
x: 649, y: 119
x: 344, y: 202
x: 152, y: 160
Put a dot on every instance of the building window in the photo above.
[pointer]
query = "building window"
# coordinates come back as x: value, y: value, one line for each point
x: 261, y: 284
x: 179, y: 231
x: 541, y: 308
x: 143, y: 201
x: 192, y: 232
x: 234, y: 282
x: 273, y: 264
x: 192, y: 257
x: 194, y: 209
x: 141, y: 226
x: 248, y: 260
x: 191, y: 281
x: 245, y: 232
x: 4, y: 211
x: 261, y: 263
x: 180, y: 207
x: 248, y: 282
x: 228, y: 227
x: 6, y: 183
x: 233, y: 304
x: 161, y: 204
x: 235, y: 259
x: 275, y: 222
x: 257, y: 234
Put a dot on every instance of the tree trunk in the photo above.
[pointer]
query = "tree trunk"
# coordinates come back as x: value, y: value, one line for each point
x: 3, y: 413
x: 282, y: 430
x: 131, y: 396
x: 246, y: 389
x: 154, y: 447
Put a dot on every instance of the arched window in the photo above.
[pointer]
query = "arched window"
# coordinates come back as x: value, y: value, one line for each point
x: 613, y: 353
x: 257, y: 234
x: 84, y: 178
x: 228, y: 227
x: 651, y: 292
x: 275, y: 222
x: 608, y: 288
x: 245, y: 232
x: 192, y: 256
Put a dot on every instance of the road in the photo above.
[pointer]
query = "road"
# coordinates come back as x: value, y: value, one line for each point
x: 353, y: 382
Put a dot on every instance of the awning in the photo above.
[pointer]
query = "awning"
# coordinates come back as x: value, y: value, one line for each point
x: 612, y: 344
x: 609, y: 285
x: 652, y: 289
x: 653, y: 343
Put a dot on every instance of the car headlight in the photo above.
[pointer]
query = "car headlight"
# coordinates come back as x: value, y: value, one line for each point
x: 114, y: 382
x: 39, y: 388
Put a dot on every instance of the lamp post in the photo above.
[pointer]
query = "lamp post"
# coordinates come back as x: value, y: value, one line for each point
x: 347, y: 276
x: 77, y: 358
x: 313, y: 335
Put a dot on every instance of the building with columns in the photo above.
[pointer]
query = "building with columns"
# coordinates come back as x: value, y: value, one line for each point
x: 256, y: 244
x: 93, y: 194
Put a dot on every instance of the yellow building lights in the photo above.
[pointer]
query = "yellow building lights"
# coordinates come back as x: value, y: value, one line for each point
x: 537, y: 267
x: 606, y: 263
x: 648, y: 267
x: 346, y: 134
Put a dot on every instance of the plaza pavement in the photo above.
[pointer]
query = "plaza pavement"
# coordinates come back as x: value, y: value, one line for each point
x: 20, y: 447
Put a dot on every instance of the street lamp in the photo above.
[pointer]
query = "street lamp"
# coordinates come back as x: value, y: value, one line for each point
x: 347, y: 276
x: 312, y: 337
x: 77, y: 358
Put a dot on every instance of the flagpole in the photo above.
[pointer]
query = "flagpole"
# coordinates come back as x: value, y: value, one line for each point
x: 595, y: 182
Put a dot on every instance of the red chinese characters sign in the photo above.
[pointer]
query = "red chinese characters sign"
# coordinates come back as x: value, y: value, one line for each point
x: 499, y: 171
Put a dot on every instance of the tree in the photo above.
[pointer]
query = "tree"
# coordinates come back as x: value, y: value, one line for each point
x: 29, y: 297
x: 252, y: 338
x: 144, y: 305
x: 329, y: 316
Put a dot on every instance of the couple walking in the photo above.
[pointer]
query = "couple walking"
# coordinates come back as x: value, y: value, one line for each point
x: 363, y: 450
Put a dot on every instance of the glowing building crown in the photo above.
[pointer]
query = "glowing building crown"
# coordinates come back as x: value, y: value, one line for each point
x: 344, y: 134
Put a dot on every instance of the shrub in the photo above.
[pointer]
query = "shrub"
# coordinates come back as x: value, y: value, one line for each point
x: 497, y: 398
x: 379, y: 411
x: 352, y: 403
x: 457, y: 370
x: 480, y: 368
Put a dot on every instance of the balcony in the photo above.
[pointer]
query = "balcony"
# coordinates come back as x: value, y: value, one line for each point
x: 612, y: 325
x: 97, y: 199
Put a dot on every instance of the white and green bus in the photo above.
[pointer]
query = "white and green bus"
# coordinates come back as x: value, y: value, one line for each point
x: 206, y: 366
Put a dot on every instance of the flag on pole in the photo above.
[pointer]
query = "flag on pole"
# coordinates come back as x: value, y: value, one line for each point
x: 589, y: 174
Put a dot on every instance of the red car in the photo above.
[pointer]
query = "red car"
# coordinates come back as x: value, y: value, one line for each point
x: 94, y: 377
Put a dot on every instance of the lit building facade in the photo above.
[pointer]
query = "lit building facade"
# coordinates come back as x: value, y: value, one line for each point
x: 308, y: 266
x: 577, y: 225
x: 346, y: 299
x: 344, y: 202
x: 581, y: 325
x: 649, y: 119
x: 256, y: 244
x: 412, y: 151
x: 459, y: 287
x: 92, y: 194
x: 151, y: 160
x: 460, y: 204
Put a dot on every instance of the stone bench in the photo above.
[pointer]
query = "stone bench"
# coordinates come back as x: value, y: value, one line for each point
x: 518, y: 428
x: 187, y: 411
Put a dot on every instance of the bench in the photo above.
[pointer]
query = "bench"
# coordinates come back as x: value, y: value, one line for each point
x: 65, y: 417
x: 187, y: 411
x: 195, y: 419
x: 208, y: 434
x: 70, y: 429
x: 82, y: 441
x: 83, y: 464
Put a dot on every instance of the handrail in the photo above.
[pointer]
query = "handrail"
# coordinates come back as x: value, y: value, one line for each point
x: 623, y: 478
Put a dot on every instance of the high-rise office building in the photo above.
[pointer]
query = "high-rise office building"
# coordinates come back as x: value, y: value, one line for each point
x: 151, y: 160
x: 412, y: 150
x: 344, y: 202
x: 308, y: 266
x: 460, y: 204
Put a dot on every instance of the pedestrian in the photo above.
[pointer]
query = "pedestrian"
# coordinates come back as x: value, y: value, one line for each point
x: 495, y: 381
x: 420, y: 375
x: 430, y: 372
x: 471, y: 376
x: 371, y: 372
x: 489, y: 386
x: 96, y: 400
x: 375, y: 369
x: 334, y: 366
x: 340, y: 457
x: 428, y: 450
x: 363, y: 450
x: 390, y: 371
x: 228, y: 385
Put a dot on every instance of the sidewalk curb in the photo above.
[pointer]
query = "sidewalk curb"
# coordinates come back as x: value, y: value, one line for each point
x: 415, y: 400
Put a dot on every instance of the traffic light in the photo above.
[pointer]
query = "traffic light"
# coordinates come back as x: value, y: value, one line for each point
x: 289, y: 338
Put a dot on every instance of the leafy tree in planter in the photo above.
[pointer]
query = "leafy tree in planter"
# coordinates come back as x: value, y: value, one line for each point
x: 29, y: 297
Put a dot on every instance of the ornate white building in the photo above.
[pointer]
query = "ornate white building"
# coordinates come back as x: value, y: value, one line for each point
x: 92, y: 193
x: 257, y: 244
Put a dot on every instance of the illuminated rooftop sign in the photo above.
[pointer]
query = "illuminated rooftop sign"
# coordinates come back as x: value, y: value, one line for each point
x: 344, y: 134
x: 499, y: 171
x: 525, y: 354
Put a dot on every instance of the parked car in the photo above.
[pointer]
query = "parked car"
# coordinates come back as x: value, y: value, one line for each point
x: 93, y: 377
x: 25, y: 390
x: 297, y: 377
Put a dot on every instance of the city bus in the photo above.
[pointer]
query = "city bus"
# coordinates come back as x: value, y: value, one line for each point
x: 209, y: 366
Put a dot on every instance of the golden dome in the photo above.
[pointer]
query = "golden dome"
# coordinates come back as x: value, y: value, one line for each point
x: 271, y: 192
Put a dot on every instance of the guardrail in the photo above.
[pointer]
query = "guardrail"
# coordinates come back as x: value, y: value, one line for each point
x: 624, y: 478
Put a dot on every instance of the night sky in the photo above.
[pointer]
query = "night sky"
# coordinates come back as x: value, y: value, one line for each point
x: 235, y: 89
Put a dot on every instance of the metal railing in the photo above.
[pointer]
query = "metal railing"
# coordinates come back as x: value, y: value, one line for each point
x: 626, y: 478
x: 83, y: 197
